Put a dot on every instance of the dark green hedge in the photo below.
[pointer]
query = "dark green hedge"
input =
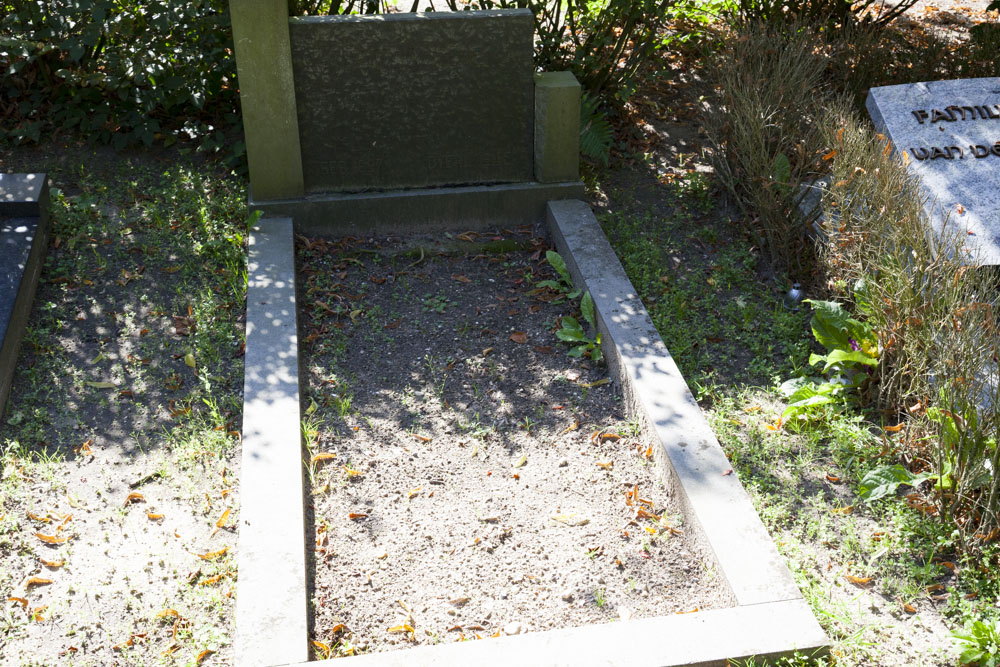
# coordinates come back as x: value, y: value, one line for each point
x: 119, y: 72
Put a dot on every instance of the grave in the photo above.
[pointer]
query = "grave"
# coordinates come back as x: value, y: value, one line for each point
x: 398, y: 122
x: 414, y: 122
x: 949, y: 132
x: 24, y: 223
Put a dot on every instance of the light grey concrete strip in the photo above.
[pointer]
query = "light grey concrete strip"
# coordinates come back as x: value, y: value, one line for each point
x: 271, y: 612
x: 704, y: 638
x: 715, y: 502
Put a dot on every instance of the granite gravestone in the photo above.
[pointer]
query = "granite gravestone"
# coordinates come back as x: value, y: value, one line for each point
x: 948, y: 133
x: 396, y: 101
x: 23, y: 237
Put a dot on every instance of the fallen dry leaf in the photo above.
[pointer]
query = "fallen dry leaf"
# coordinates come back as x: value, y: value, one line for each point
x: 52, y: 563
x: 211, y: 580
x: 134, y: 497
x: 52, y: 539
x: 221, y: 522
x: 519, y: 337
x: 570, y: 519
x: 572, y: 427
x: 204, y: 654
x: 858, y: 581
x: 212, y: 555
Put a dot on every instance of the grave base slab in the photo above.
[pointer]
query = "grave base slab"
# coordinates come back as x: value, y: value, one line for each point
x: 429, y: 209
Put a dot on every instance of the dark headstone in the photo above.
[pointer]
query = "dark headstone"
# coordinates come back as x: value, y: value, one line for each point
x: 23, y: 237
x: 399, y: 101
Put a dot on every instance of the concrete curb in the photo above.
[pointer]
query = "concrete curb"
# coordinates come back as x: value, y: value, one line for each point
x: 770, y: 618
x: 683, y: 639
x: 690, y: 455
x: 271, y: 607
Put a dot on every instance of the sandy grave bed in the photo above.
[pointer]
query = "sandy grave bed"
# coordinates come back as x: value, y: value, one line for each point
x: 469, y: 478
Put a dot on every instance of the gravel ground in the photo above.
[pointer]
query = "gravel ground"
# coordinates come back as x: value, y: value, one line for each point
x: 478, y: 480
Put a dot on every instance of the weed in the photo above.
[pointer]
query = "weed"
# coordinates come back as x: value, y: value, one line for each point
x: 437, y: 303
x: 563, y: 284
x: 979, y: 642
x: 572, y: 332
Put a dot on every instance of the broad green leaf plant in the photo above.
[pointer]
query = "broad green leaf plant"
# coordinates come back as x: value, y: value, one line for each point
x: 851, y: 348
x: 571, y: 329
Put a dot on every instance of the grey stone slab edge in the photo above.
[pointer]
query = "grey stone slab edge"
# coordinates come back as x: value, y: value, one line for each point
x: 703, y: 638
x: 712, y: 497
x: 271, y: 602
x: 427, y: 209
x: 10, y: 344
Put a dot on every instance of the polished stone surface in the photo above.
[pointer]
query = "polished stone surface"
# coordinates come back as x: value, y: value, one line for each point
x: 24, y: 200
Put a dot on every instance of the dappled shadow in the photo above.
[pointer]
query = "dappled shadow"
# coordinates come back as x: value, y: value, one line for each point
x: 104, y: 357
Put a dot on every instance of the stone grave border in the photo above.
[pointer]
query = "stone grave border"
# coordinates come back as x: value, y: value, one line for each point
x: 769, y: 617
x: 24, y: 209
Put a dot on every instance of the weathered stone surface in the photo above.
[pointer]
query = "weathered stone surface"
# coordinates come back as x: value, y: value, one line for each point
x: 426, y: 209
x: 714, y: 637
x: 267, y: 97
x: 23, y: 239
x: 271, y: 617
x: 715, y: 503
x: 557, y: 127
x: 950, y: 133
x: 399, y: 101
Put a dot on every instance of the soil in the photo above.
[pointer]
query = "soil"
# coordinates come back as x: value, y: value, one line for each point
x: 478, y: 481
x: 109, y: 486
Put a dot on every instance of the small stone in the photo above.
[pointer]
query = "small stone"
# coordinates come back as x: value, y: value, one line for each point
x: 563, y: 463
x: 567, y: 596
x: 452, y: 612
x: 514, y: 629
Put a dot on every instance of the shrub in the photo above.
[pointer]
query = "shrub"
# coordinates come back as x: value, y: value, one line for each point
x: 604, y: 43
x: 832, y: 13
x: 862, y: 56
x: 118, y: 71
x: 932, y: 312
x: 764, y: 126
